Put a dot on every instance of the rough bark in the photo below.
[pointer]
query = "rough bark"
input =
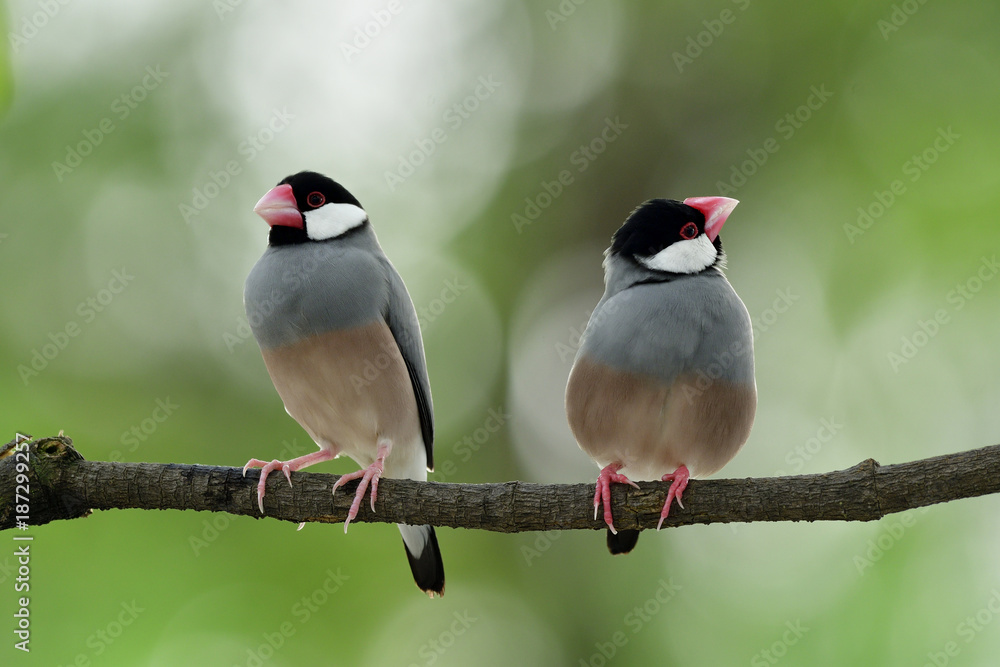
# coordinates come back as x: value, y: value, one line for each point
x: 63, y: 485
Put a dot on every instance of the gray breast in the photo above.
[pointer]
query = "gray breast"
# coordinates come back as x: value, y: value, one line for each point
x: 301, y: 290
x: 691, y: 324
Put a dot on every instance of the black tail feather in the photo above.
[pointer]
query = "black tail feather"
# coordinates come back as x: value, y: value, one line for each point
x: 623, y: 542
x: 427, y: 566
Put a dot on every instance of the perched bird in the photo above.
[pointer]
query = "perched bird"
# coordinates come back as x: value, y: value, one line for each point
x: 340, y: 339
x: 662, y: 387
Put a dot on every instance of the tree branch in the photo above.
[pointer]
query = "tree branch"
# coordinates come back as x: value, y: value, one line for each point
x: 63, y: 485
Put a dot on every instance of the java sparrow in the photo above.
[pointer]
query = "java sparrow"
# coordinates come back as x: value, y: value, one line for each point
x: 662, y: 386
x: 341, y: 342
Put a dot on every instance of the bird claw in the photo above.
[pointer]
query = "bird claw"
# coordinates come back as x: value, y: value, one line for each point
x: 253, y: 463
x: 368, y: 476
x: 287, y: 467
x: 679, y: 481
x: 609, y: 475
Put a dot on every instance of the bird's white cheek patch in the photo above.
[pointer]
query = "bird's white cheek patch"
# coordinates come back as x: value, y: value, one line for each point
x: 332, y: 220
x: 690, y: 256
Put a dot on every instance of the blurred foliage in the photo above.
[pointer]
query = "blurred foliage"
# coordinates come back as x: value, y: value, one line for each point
x: 6, y: 76
x: 875, y: 328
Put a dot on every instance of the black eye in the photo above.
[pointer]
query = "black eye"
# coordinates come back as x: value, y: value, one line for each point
x: 316, y: 199
x: 688, y: 231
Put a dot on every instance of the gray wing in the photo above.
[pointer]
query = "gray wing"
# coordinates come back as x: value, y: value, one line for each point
x: 401, y: 317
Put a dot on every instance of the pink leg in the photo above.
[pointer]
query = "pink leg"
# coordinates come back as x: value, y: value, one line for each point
x: 679, y: 478
x: 371, y: 474
x: 286, y: 467
x: 609, y: 475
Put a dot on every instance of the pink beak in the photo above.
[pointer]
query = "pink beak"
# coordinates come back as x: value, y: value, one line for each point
x: 715, y: 209
x: 278, y: 208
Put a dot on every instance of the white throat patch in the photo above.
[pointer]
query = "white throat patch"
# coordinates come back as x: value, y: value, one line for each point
x: 332, y: 220
x: 690, y: 256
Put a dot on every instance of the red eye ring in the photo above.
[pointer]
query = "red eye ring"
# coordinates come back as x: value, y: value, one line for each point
x: 689, y: 231
x: 315, y: 199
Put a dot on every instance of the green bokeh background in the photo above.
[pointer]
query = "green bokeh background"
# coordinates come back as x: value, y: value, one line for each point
x: 698, y: 92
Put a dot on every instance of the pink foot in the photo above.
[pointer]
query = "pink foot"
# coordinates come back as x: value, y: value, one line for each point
x: 371, y: 475
x: 609, y: 475
x: 286, y: 467
x: 679, y: 478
